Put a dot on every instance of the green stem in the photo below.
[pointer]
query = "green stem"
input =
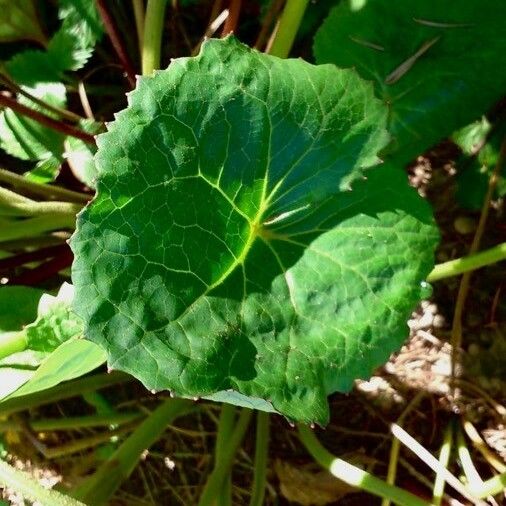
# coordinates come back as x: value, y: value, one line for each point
x: 468, y: 263
x: 466, y: 463
x: 31, y: 489
x: 354, y: 476
x: 287, y: 28
x: 17, y: 207
x: 44, y: 190
x: 222, y: 468
x: 19, y: 229
x: 153, y: 29
x: 225, y: 428
x: 76, y: 422
x: 138, y: 6
x: 63, y: 391
x: 444, y: 459
x: 12, y: 342
x: 99, y: 488
x: 492, y: 487
x: 261, y: 454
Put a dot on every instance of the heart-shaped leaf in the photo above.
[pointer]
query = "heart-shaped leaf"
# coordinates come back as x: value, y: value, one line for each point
x: 224, y: 249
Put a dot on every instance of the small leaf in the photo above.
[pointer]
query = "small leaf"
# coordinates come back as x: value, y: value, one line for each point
x: 26, y: 138
x: 474, y: 168
x: 18, y: 21
x: 19, y: 306
x: 69, y: 48
x: 70, y: 360
x: 54, y: 351
x: 427, y: 61
x: 55, y: 323
x: 224, y: 250
x: 80, y: 154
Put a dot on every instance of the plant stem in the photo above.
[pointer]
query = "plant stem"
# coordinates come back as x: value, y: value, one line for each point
x: 473, y: 478
x: 225, y: 427
x: 9, y: 83
x: 232, y: 18
x: 287, y: 28
x: 12, y: 342
x: 32, y: 208
x: 261, y: 455
x: 47, y: 121
x: 153, y: 30
x: 99, y: 488
x: 37, y: 255
x: 63, y: 391
x: 47, y: 191
x: 491, y: 487
x: 44, y: 271
x: 428, y: 459
x: 117, y: 43
x: 19, y: 229
x: 482, y: 447
x: 71, y: 423
x: 395, y: 448
x: 354, y: 476
x: 138, y: 6
x: 465, y: 282
x: 31, y: 489
x: 468, y: 263
x: 444, y: 459
x: 222, y: 468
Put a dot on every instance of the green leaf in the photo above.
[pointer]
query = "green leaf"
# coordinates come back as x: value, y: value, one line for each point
x: 26, y: 138
x: 481, y: 144
x: 19, y: 306
x: 55, y: 323
x: 55, y: 352
x: 438, y: 65
x: 69, y: 48
x: 70, y: 360
x: 81, y: 28
x: 223, y: 250
x: 80, y: 154
x: 18, y: 21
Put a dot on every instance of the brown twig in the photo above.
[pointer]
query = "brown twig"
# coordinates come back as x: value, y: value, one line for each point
x: 272, y: 13
x: 9, y: 83
x: 44, y: 271
x: 47, y: 121
x: 233, y: 17
x: 31, y: 256
x: 116, y: 41
x: 456, y: 334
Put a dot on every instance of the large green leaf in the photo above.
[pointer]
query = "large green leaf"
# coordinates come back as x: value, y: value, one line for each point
x: 438, y: 65
x: 224, y: 250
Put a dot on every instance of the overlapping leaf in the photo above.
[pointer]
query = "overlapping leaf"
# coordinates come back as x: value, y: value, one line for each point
x: 18, y: 21
x: 53, y: 351
x: 437, y: 65
x: 224, y: 251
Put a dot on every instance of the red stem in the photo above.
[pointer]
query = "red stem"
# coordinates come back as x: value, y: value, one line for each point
x: 44, y: 271
x: 116, y: 41
x: 233, y: 17
x: 31, y: 256
x: 47, y: 121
